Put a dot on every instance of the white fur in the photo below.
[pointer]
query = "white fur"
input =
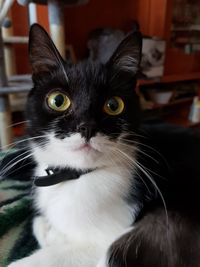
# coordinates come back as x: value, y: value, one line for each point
x: 64, y: 152
x: 80, y: 218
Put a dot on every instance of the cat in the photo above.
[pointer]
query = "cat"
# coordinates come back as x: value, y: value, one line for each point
x: 77, y: 118
x: 132, y: 201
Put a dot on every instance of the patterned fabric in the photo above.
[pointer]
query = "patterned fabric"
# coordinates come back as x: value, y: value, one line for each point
x: 16, y: 240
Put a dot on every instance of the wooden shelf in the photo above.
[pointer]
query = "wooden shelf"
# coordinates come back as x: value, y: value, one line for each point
x: 185, y: 100
x: 171, y: 78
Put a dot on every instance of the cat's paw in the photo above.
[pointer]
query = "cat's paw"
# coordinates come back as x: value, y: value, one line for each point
x: 14, y: 264
x: 40, y: 230
x: 22, y: 263
x: 37, y: 259
x: 103, y: 262
x: 45, y: 234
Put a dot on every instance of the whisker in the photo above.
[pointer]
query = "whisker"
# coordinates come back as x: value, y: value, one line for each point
x: 21, y: 141
x: 142, y: 169
x: 12, y: 160
x: 17, y: 123
x: 147, y: 155
x: 141, y: 151
x: 157, y: 188
x: 15, y: 163
x: 9, y: 166
x: 131, y: 165
x: 136, y: 142
x: 22, y: 166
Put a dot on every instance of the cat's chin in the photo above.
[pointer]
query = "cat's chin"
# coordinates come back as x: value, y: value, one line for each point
x: 83, y: 158
x: 72, y: 152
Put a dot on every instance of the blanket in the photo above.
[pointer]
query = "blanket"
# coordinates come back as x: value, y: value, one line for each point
x: 16, y: 212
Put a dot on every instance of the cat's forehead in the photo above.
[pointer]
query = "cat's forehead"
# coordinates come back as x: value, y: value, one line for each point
x: 87, y: 78
x: 88, y: 73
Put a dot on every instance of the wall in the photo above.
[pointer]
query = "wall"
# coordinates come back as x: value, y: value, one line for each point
x: 20, y: 28
x: 79, y: 21
x: 154, y: 17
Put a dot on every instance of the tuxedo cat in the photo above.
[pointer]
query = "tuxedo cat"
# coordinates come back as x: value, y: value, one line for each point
x: 119, y: 210
x: 79, y: 118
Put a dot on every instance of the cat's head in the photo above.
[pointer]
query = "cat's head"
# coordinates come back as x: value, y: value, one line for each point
x: 80, y: 115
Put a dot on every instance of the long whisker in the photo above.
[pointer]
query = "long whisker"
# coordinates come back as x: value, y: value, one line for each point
x: 139, y: 150
x: 157, y: 188
x: 17, y: 169
x: 15, y: 163
x: 142, y: 169
x: 131, y: 165
x: 17, y: 123
x: 147, y: 155
x: 14, y: 159
x: 9, y: 166
x: 22, y: 141
x: 136, y: 142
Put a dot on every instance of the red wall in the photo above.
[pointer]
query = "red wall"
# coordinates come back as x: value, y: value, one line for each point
x: 79, y: 21
x: 97, y: 13
x: 154, y: 17
x: 20, y: 28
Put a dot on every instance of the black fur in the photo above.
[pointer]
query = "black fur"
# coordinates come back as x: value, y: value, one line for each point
x: 164, y: 238
x: 154, y: 244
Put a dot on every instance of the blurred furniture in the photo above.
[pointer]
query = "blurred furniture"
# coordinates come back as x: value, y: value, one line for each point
x: 156, y: 18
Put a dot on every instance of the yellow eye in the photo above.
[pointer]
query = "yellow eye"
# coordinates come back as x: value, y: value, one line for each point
x: 58, y: 101
x: 114, y: 106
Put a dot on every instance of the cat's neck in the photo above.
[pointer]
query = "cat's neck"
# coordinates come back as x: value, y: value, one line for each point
x: 98, y: 199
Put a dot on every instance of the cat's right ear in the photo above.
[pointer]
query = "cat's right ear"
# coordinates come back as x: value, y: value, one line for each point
x: 44, y: 56
x: 127, y: 56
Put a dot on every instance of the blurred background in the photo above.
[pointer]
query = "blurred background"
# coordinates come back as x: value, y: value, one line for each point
x: 169, y: 83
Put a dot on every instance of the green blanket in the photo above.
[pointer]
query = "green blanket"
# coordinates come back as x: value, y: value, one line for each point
x: 16, y: 240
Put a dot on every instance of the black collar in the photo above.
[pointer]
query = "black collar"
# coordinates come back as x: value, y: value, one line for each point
x: 57, y: 175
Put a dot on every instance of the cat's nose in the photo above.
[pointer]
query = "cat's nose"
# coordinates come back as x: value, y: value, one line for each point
x: 87, y: 130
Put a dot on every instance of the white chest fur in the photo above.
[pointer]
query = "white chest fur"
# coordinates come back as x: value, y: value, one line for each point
x: 90, y: 208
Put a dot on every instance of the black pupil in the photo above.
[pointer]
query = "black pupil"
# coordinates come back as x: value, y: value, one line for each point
x: 59, y: 100
x: 113, y: 104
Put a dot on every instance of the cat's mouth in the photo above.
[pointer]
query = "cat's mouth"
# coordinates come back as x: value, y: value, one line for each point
x: 84, y: 147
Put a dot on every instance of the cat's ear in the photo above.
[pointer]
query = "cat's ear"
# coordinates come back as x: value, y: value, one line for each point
x: 127, y: 56
x: 43, y: 54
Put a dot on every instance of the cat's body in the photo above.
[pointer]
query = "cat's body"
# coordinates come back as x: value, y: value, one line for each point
x: 83, y: 214
x: 86, y: 118
x: 96, y: 214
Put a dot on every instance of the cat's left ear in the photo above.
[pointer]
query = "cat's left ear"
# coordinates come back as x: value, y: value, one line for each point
x: 44, y: 56
x: 127, y: 56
